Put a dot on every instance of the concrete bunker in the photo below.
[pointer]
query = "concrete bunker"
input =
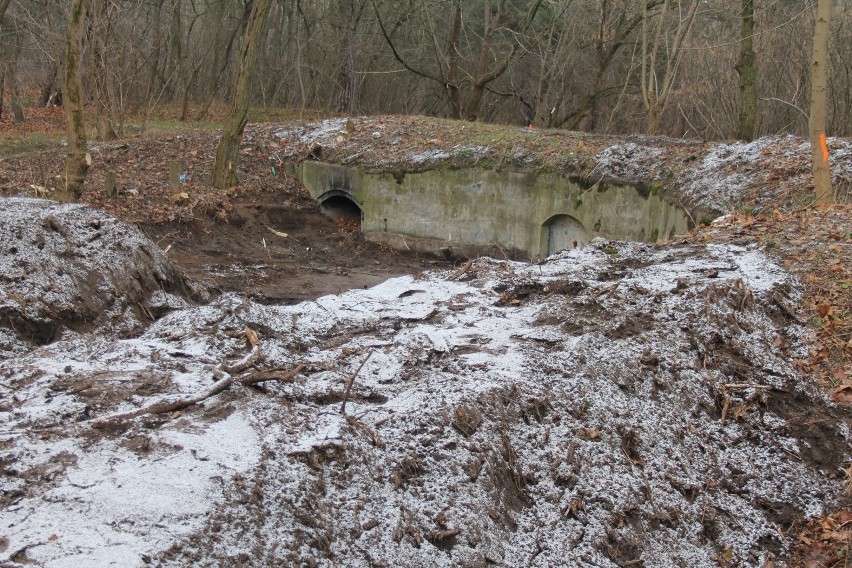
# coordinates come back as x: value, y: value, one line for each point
x: 562, y: 232
x: 475, y: 211
x: 339, y: 204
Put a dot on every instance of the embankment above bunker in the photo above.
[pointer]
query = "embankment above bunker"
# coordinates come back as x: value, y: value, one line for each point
x: 471, y: 211
x: 707, y: 179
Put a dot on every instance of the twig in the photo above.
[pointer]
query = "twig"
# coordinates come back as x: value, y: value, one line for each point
x: 606, y: 291
x: 458, y: 273
x: 726, y: 406
x: 225, y: 375
x: 352, y: 380
x: 746, y: 386
x: 272, y: 375
x: 246, y: 362
x: 220, y: 385
x: 788, y: 103
x: 373, y: 435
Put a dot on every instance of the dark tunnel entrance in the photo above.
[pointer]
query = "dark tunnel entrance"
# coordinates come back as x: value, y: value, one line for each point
x: 339, y: 206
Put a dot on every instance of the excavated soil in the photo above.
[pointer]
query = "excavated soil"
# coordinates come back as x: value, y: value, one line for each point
x: 622, y: 405
x: 281, y: 248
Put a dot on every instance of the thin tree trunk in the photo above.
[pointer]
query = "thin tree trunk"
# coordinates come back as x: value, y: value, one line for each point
x: 217, y: 76
x: 746, y: 70
x: 104, y: 92
x: 474, y: 101
x: 173, y: 74
x: 4, y: 4
x: 819, y: 98
x: 2, y: 89
x: 48, y: 89
x: 77, y: 159
x: 346, y: 94
x: 228, y: 153
x: 15, y: 92
x: 154, y: 66
x: 453, y: 79
x: 656, y: 87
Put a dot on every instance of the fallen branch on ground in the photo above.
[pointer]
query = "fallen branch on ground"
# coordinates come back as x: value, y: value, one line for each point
x: 225, y: 375
x: 352, y: 380
x: 458, y: 273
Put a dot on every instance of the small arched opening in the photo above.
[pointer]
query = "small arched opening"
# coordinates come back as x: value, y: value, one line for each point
x: 562, y: 232
x: 340, y: 205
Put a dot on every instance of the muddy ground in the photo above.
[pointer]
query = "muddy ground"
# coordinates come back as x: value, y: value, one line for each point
x: 248, y: 252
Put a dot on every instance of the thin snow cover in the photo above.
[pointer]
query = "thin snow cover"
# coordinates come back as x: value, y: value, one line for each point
x: 722, y: 176
x: 562, y: 413
x: 628, y: 161
x: 759, y: 172
x: 75, y: 494
x: 324, y: 132
x: 109, y: 506
x: 65, y: 266
x: 437, y: 155
x: 720, y: 180
x: 427, y: 156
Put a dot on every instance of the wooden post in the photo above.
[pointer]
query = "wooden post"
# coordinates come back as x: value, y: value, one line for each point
x: 109, y: 181
x: 174, y: 176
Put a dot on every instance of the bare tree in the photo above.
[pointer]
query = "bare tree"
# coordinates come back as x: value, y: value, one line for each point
x: 819, y: 103
x: 465, y: 86
x: 10, y: 50
x: 228, y: 153
x: 77, y: 159
x: 351, y: 15
x: 747, y: 73
x: 661, y: 59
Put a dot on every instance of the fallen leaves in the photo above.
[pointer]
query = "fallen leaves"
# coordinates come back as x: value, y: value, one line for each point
x: 826, y: 541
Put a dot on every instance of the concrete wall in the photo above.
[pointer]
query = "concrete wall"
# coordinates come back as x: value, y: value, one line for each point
x: 474, y: 211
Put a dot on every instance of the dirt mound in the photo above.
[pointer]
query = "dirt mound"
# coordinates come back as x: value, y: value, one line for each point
x: 68, y: 266
x: 620, y: 405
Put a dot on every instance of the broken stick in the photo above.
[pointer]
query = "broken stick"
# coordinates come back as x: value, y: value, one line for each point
x: 352, y: 380
x: 458, y: 273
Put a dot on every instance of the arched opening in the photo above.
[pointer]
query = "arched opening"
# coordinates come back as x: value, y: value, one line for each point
x: 338, y: 205
x: 562, y: 232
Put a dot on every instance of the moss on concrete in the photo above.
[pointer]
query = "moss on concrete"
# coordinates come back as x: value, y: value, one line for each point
x: 483, y: 207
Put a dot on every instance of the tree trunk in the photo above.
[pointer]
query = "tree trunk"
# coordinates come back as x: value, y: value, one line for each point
x: 228, y: 153
x: 219, y: 68
x: 453, y: 79
x: 4, y: 4
x: 652, y: 117
x: 346, y: 94
x: 656, y: 84
x: 49, y: 92
x: 474, y: 101
x: 77, y: 158
x: 175, y: 60
x: 154, y: 64
x: 746, y: 70
x: 2, y: 89
x: 819, y: 98
x: 100, y: 27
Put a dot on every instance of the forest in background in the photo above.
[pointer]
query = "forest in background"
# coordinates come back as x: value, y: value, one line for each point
x: 672, y: 67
